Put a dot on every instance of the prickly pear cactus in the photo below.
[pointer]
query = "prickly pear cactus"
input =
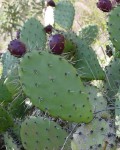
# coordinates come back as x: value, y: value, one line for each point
x: 58, y: 87
x: 113, y: 28
x: 97, y: 135
x: 47, y: 134
x: 64, y: 14
x: 33, y: 35
x: 5, y: 120
x: 89, y: 33
x: 56, y: 90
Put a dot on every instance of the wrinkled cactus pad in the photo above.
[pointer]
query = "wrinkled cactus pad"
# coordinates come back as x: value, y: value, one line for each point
x: 97, y: 135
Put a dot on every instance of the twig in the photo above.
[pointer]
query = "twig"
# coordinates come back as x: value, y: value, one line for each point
x: 111, y: 108
x: 69, y: 136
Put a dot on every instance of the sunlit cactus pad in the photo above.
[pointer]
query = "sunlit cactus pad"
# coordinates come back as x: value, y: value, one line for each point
x: 56, y: 87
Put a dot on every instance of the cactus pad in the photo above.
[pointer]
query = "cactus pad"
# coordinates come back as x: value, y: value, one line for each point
x: 5, y: 95
x: 55, y: 85
x: 64, y: 14
x: 5, y: 120
x: 33, y: 35
x: 114, y: 28
x: 112, y: 77
x: 86, y: 60
x: 12, y: 82
x: 97, y: 135
x: 89, y: 33
x: 98, y: 101
x: 47, y: 134
x: 8, y: 62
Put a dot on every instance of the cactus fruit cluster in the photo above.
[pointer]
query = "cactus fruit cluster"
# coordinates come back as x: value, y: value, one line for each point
x: 48, y: 100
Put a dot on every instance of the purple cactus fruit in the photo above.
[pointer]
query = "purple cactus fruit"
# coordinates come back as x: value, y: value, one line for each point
x: 18, y: 34
x: 50, y: 3
x: 118, y: 1
x: 57, y: 43
x: 17, y: 48
x: 48, y: 29
x: 104, y: 5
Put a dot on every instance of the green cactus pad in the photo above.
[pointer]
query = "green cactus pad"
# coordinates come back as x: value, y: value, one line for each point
x: 112, y: 81
x: 89, y: 33
x: 53, y: 85
x: 33, y: 35
x: 97, y: 135
x: 8, y: 62
x: 18, y: 108
x: 86, y: 60
x: 10, y: 144
x: 12, y: 82
x: 64, y: 14
x: 47, y: 134
x: 114, y: 28
x: 98, y: 101
x: 5, y: 95
x: 5, y: 120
